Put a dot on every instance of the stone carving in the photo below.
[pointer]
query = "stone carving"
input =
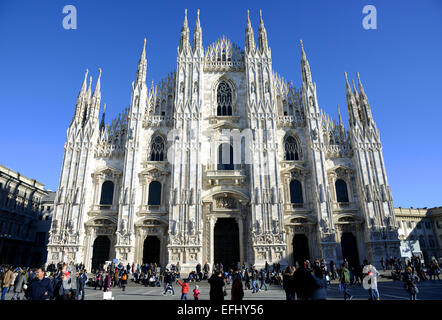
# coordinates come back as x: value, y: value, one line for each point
x: 191, y: 225
x: 123, y: 226
x: 173, y: 227
x: 225, y: 203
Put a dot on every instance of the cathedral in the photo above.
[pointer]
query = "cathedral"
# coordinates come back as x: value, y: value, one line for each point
x: 222, y: 161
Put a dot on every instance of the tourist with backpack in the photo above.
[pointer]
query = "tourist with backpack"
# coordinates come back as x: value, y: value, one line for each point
x: 124, y: 280
x: 345, y: 282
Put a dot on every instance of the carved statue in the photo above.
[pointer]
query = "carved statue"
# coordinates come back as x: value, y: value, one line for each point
x: 192, y: 226
x: 258, y: 227
x: 123, y: 226
x: 70, y: 226
x: 173, y: 227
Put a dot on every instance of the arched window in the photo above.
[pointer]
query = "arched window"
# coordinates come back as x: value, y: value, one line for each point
x: 224, y: 99
x: 341, y: 191
x: 107, y: 193
x: 154, y: 193
x: 157, y: 149
x: 296, y: 192
x: 225, y: 157
x: 291, y: 148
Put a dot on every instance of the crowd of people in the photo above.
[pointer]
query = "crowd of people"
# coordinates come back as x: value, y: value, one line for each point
x: 303, y: 281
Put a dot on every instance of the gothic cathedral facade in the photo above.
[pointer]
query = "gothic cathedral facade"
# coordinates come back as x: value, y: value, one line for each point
x: 223, y: 161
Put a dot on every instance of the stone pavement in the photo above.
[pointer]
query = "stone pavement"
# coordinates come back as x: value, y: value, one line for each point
x: 388, y: 289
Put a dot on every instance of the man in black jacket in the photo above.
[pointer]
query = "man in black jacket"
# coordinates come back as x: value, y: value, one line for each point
x: 40, y: 288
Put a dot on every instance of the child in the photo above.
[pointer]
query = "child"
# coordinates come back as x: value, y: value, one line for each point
x: 184, y: 289
x: 196, y: 293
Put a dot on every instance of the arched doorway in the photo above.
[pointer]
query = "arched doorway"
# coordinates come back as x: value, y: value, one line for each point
x: 101, y: 251
x: 300, y: 249
x: 226, y: 242
x: 151, y: 250
x: 350, y: 248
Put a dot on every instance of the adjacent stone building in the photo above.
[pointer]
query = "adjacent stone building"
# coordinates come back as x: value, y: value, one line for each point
x: 222, y: 161
x: 420, y: 232
x: 23, y: 231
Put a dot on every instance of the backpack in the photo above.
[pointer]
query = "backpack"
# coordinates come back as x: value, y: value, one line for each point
x: 124, y: 277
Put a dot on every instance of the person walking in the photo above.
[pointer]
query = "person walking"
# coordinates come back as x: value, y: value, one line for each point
x: 410, y: 283
x: 237, y: 291
x: 39, y: 288
x: 184, y: 288
x: 217, y: 284
x: 168, y: 280
x: 288, y: 283
x: 333, y: 271
x: 247, y: 278
x: 7, y: 278
x: 303, y: 282
x: 254, y: 280
x: 383, y: 263
x: 123, y: 280
x: 81, y: 285
x: 435, y: 270
x: 320, y: 293
x: 262, y: 279
x: 107, y: 282
x: 370, y: 271
x: 345, y: 282
x: 65, y: 290
x: 18, y: 284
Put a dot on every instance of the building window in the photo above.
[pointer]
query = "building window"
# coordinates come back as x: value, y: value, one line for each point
x: 225, y: 157
x: 291, y: 148
x: 224, y: 99
x: 409, y: 224
x: 296, y: 192
x: 431, y: 241
x: 154, y: 194
x: 107, y: 193
x: 422, y: 241
x: 341, y: 191
x: 157, y: 149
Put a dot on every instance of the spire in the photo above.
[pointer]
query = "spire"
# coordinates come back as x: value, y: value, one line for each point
x: 353, y: 114
x: 88, y: 93
x: 262, y: 34
x: 81, y: 99
x: 364, y: 104
x: 197, y: 33
x: 250, y: 39
x: 305, y: 67
x: 303, y: 55
x: 97, y: 93
x: 355, y: 92
x: 102, y: 125
x: 340, y: 118
x: 142, y: 65
x: 349, y: 93
x: 83, y: 86
x: 184, y: 38
x: 361, y: 88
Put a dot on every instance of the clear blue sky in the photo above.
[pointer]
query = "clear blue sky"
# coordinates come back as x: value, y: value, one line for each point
x: 42, y: 66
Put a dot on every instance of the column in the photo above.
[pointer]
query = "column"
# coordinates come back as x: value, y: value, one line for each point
x: 241, y: 238
x: 212, y: 238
